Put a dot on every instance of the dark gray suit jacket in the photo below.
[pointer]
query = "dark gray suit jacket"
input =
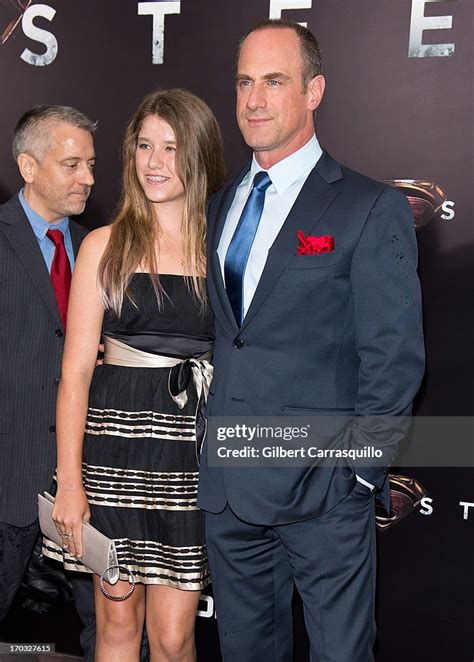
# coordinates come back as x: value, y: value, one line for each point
x: 31, y: 347
x: 333, y: 334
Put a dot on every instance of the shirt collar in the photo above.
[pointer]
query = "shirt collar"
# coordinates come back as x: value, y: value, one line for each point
x: 37, y: 222
x: 287, y: 171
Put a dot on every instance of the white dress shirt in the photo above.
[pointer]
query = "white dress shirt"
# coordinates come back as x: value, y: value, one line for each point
x: 288, y: 177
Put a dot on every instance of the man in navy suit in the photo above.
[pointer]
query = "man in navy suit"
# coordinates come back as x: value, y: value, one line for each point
x: 312, y: 279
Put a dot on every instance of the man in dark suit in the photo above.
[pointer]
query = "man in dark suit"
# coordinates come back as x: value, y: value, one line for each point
x: 312, y: 279
x: 54, y: 149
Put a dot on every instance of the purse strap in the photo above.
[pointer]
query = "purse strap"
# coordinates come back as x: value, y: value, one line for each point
x: 131, y: 581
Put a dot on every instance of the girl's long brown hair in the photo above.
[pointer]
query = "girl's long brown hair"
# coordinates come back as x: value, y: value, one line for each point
x: 135, y: 229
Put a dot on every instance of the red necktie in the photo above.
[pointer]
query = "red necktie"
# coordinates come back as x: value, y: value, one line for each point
x: 60, y: 273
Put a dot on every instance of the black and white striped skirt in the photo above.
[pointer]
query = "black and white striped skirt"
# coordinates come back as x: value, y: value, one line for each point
x: 140, y: 475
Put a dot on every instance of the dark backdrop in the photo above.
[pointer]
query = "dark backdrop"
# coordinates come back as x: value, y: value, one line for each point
x: 386, y: 114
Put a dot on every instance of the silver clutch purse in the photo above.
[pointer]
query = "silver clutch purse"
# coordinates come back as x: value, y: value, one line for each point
x: 98, y: 552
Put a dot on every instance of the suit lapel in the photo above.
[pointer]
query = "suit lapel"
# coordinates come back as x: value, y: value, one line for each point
x: 223, y: 309
x: 315, y: 197
x: 23, y: 241
x: 76, y: 236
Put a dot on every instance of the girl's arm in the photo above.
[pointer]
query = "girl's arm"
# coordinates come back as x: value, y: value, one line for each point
x: 84, y: 326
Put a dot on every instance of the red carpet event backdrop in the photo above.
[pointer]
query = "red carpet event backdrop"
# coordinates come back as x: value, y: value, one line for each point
x: 397, y: 108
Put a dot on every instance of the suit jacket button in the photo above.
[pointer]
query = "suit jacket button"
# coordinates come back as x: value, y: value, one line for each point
x: 239, y: 343
x: 59, y: 333
x: 52, y: 428
x: 56, y: 380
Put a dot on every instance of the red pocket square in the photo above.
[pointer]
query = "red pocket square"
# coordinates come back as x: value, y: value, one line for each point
x: 309, y: 245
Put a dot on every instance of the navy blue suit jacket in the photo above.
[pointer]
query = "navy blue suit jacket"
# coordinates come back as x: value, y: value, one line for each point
x: 338, y: 333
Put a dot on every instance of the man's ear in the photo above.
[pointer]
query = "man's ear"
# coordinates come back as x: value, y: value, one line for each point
x: 27, y: 166
x: 315, y: 91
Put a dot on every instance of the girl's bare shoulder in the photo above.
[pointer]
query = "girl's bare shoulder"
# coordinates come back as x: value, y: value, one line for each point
x: 95, y: 243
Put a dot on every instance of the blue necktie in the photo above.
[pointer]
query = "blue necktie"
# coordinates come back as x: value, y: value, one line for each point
x: 239, y: 249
